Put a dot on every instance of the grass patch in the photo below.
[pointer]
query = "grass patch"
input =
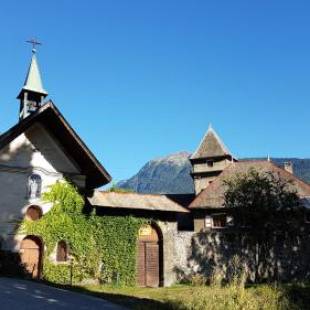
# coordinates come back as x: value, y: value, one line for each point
x: 260, y: 297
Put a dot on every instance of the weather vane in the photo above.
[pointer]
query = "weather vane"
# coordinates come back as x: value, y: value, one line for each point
x: 34, y: 43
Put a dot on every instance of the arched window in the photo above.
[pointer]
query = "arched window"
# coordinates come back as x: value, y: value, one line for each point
x: 33, y: 213
x: 34, y: 186
x: 62, y: 251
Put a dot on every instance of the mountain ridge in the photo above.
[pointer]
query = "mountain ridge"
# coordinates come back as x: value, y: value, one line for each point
x: 171, y: 174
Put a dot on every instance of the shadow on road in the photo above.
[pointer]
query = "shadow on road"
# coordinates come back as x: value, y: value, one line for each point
x: 23, y: 294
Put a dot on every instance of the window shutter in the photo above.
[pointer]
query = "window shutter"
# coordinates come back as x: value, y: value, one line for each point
x: 208, y: 221
x: 229, y: 220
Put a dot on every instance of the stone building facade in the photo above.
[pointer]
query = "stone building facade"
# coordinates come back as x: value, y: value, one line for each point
x: 218, y: 245
x: 163, y: 212
x: 42, y: 149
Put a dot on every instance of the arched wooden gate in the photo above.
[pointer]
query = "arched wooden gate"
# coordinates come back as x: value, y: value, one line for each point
x: 149, y: 257
x: 31, y: 250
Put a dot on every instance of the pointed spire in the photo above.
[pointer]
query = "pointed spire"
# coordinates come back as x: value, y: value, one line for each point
x: 32, y: 94
x: 33, y: 80
x: 211, y: 146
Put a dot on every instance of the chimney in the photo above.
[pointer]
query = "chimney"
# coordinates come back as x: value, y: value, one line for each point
x: 288, y: 166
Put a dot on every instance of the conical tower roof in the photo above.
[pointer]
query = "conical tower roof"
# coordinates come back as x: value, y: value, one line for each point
x: 211, y: 146
x: 33, y: 80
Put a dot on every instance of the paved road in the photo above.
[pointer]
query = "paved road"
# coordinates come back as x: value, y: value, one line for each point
x: 18, y: 294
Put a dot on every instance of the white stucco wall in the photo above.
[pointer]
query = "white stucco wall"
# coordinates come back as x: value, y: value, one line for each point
x: 34, y: 151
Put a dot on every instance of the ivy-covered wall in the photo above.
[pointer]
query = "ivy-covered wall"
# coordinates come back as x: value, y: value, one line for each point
x: 102, y: 248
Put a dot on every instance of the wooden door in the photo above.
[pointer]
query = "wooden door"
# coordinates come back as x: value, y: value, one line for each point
x: 141, y: 264
x: 31, y: 256
x: 152, y: 264
x: 148, y: 258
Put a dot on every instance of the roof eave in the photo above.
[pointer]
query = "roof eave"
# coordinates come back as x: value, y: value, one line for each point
x: 41, y: 92
x: 102, y: 177
x: 143, y: 209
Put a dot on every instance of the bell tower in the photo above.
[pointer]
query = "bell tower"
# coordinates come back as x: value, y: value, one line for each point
x: 32, y: 94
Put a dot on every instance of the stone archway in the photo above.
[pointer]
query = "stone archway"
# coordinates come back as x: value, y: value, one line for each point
x: 149, y: 260
x: 31, y: 253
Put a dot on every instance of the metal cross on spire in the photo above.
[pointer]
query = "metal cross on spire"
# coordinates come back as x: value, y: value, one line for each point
x: 34, y: 43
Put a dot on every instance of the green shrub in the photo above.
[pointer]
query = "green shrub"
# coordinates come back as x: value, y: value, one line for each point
x: 198, y: 280
x: 232, y: 298
x: 102, y: 248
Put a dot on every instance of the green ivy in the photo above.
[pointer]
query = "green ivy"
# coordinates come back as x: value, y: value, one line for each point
x: 102, y: 247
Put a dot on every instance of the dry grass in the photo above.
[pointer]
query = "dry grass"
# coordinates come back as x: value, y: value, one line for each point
x: 262, y: 297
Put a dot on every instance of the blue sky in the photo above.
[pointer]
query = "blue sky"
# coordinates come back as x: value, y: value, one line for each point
x: 142, y: 79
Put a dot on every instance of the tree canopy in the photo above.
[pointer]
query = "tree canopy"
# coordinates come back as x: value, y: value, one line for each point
x: 263, y: 201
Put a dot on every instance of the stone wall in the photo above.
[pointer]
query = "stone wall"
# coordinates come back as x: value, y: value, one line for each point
x: 168, y: 230
x: 229, y: 251
x: 176, y: 250
x: 182, y: 254
x: 286, y: 258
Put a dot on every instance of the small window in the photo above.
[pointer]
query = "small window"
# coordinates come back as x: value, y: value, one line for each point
x: 219, y: 220
x: 62, y: 251
x: 33, y: 213
x: 34, y: 186
x: 210, y: 163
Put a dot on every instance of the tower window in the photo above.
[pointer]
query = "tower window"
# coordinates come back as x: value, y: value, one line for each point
x: 210, y: 163
x: 62, y: 251
x: 34, y: 186
x: 32, y: 106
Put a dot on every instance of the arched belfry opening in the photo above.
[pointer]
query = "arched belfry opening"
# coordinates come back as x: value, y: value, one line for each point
x: 31, y: 254
x: 150, y: 256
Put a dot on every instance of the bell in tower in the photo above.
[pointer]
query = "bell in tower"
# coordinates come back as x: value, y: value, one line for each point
x: 32, y: 94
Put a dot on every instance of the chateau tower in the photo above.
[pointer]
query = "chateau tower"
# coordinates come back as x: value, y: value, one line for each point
x: 32, y: 94
x: 209, y: 160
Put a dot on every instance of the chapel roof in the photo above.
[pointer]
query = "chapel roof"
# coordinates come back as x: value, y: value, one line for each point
x: 210, y: 146
x: 137, y: 201
x: 51, y: 119
x: 213, y: 195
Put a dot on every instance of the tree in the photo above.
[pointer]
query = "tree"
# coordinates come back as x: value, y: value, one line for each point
x: 115, y: 189
x: 267, y: 208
